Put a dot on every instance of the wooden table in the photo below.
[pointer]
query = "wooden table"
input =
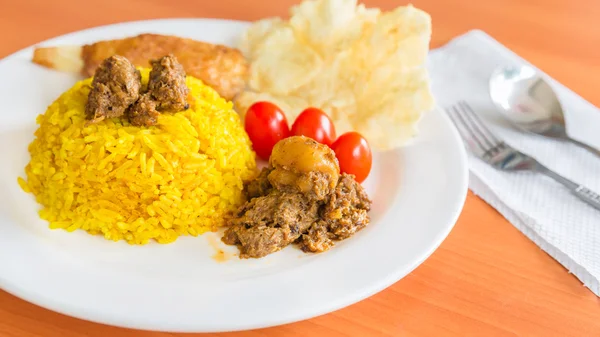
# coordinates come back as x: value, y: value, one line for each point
x: 486, y: 279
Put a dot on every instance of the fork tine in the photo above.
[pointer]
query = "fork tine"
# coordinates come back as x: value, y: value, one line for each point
x: 478, y: 124
x: 457, y: 123
x: 451, y: 111
x: 466, y: 130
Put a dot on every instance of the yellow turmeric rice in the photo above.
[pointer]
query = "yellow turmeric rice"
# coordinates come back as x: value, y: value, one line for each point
x: 183, y: 176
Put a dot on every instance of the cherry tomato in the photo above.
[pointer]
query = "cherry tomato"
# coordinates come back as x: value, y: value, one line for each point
x: 314, y: 123
x: 354, y: 154
x: 266, y: 125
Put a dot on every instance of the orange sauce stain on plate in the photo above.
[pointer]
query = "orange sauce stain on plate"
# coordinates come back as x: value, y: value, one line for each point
x: 220, y: 255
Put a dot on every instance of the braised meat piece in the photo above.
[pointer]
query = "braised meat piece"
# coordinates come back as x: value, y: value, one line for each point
x: 166, y: 84
x: 143, y: 112
x: 260, y: 186
x: 269, y: 223
x: 116, y: 90
x: 342, y: 216
x: 317, y: 238
x: 300, y: 197
x: 116, y: 85
x: 303, y: 165
x: 347, y: 209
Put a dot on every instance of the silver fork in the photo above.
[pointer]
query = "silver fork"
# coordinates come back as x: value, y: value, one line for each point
x: 492, y: 150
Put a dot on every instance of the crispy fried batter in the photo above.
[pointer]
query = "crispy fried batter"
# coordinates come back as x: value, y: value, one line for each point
x: 220, y: 67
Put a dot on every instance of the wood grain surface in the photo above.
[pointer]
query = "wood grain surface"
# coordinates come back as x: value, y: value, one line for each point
x: 486, y: 279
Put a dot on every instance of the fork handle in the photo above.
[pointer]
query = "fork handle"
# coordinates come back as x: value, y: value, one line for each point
x: 582, y: 192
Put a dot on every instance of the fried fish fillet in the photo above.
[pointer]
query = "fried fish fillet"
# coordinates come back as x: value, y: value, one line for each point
x: 220, y: 67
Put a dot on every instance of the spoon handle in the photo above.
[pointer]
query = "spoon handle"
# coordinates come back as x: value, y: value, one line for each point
x: 585, y: 146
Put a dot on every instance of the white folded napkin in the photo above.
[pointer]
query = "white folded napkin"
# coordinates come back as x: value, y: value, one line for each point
x: 545, y: 211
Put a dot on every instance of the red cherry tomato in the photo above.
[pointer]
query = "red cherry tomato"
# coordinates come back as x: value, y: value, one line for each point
x: 354, y: 154
x: 314, y: 123
x: 266, y: 125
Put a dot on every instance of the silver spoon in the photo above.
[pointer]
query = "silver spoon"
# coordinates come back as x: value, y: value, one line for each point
x: 527, y: 100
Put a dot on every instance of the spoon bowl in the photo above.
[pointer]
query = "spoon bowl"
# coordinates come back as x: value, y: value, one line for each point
x: 524, y: 98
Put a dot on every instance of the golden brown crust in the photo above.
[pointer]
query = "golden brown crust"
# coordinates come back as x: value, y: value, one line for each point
x: 220, y: 67
x: 44, y: 56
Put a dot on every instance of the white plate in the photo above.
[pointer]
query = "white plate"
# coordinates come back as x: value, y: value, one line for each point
x: 418, y: 193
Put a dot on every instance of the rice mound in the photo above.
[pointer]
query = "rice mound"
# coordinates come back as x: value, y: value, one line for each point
x: 184, y: 176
